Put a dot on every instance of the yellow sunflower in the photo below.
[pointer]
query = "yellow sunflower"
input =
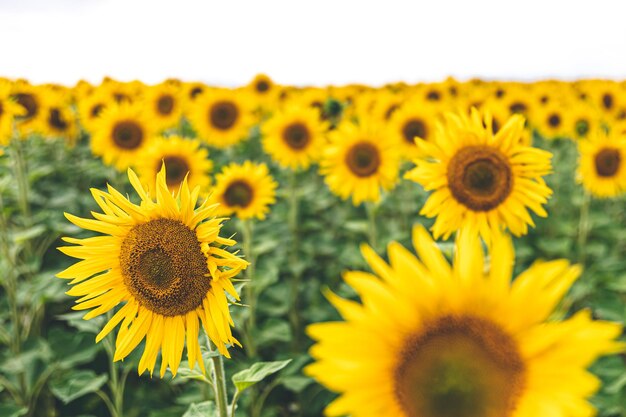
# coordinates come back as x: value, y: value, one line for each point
x: 9, y: 109
x: 165, y: 262
x: 122, y: 133
x: 602, y: 163
x: 553, y: 120
x: 360, y: 161
x: 481, y: 181
x: 247, y: 190
x: 222, y: 117
x: 30, y: 98
x: 91, y: 107
x: 413, y: 119
x: 264, y: 92
x: 294, y: 137
x: 430, y: 339
x: 164, y: 102
x: 183, y: 158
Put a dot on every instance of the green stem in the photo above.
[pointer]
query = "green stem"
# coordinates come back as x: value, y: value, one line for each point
x: 219, y: 381
x: 294, y: 315
x: 116, y: 384
x: 583, y: 228
x: 372, y: 230
x: 249, y: 288
x: 107, y: 401
x: 10, y: 283
x: 20, y: 171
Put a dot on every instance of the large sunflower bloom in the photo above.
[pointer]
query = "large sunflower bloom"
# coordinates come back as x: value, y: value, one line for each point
x: 602, y: 163
x: 433, y: 340
x: 165, y: 262
x: 481, y: 181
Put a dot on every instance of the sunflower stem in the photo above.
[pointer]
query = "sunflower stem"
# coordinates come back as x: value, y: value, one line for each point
x: 250, y: 294
x: 372, y: 230
x: 294, y: 315
x: 219, y: 381
x: 583, y: 228
x: 20, y: 171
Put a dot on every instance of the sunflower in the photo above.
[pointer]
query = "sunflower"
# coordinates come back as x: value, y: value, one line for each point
x: 430, y: 339
x: 246, y: 190
x: 359, y: 162
x: 222, y: 117
x: 91, y: 107
x: 183, y: 158
x: 602, y: 163
x: 9, y: 109
x: 264, y: 92
x: 481, y: 181
x: 164, y: 102
x: 584, y: 119
x: 30, y: 98
x: 121, y: 134
x: 294, y: 137
x: 60, y: 122
x: 553, y: 120
x: 413, y: 119
x: 165, y: 263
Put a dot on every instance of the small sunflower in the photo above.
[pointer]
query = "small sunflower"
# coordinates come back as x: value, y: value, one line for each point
x: 165, y: 261
x: 553, y: 120
x: 122, y: 133
x: 222, y: 118
x: 246, y: 190
x: 360, y: 161
x: 430, y: 339
x: 183, y: 158
x: 414, y: 119
x: 602, y: 163
x: 91, y: 107
x: 264, y: 92
x: 294, y: 138
x: 481, y: 181
x: 9, y: 110
x: 164, y: 103
x: 30, y: 98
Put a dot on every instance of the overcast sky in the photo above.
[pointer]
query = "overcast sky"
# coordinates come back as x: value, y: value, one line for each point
x: 314, y: 42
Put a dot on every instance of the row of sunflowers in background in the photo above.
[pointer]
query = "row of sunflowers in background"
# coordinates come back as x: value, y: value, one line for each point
x: 447, y: 333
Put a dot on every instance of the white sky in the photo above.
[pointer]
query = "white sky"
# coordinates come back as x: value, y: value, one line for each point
x: 317, y: 42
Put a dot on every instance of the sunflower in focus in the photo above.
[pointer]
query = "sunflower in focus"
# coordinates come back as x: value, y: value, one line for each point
x: 165, y: 261
x: 183, y: 158
x: 294, y: 137
x: 481, y: 181
x: 602, y: 163
x: 430, y: 339
x: 122, y: 133
x: 222, y: 117
x: 359, y: 162
x: 165, y: 104
x: 246, y: 190
x: 414, y: 119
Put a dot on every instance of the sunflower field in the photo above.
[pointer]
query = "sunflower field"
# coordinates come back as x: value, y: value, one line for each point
x: 450, y: 249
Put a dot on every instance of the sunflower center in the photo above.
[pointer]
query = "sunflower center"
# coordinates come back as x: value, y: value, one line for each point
x: 1, y: 109
x: 582, y: 127
x: 223, y: 115
x: 165, y: 104
x: 390, y: 111
x: 363, y: 159
x: 607, y: 162
x: 262, y: 86
x: 607, y: 101
x: 296, y: 135
x: 554, y: 120
x: 480, y: 177
x: 518, y: 107
x: 433, y: 95
x: 195, y: 92
x: 238, y: 194
x: 175, y: 170
x: 413, y: 128
x: 128, y: 134
x: 29, y: 103
x: 96, y: 110
x: 460, y: 367
x: 55, y: 119
x: 164, y: 268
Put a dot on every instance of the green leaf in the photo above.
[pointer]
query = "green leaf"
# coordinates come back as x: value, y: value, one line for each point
x: 257, y: 373
x: 203, y: 409
x: 12, y: 410
x: 72, y: 385
x: 27, y: 234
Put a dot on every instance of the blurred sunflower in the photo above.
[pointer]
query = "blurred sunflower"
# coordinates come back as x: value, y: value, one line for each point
x: 263, y: 91
x: 30, y: 98
x: 246, y: 190
x: 294, y: 137
x: 91, y: 107
x: 481, y: 181
x: 122, y: 133
x: 9, y: 109
x: 165, y: 261
x: 414, y: 119
x: 183, y: 158
x: 359, y: 162
x: 602, y: 163
x: 552, y: 120
x: 60, y: 122
x: 165, y: 105
x: 430, y: 339
x: 222, y: 118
